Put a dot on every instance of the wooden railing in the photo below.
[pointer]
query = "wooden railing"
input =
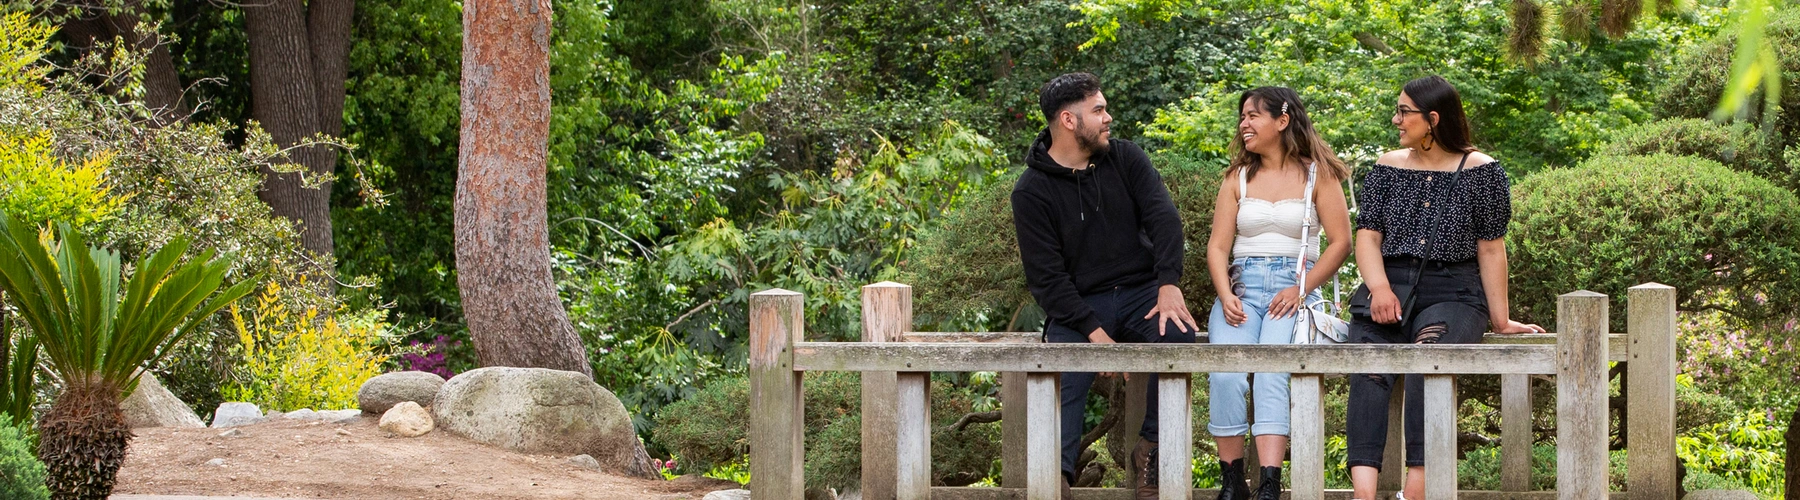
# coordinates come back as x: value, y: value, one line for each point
x: 896, y: 364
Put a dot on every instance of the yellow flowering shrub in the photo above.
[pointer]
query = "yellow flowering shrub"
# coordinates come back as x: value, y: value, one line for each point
x: 293, y: 360
x: 22, y: 42
x: 38, y: 187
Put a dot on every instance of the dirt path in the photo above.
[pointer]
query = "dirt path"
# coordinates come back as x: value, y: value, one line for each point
x: 359, y: 461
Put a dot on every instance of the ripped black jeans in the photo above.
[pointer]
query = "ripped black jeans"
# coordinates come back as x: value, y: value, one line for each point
x: 1451, y: 309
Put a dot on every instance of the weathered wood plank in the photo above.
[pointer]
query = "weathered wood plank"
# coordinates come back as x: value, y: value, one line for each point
x: 1616, y: 342
x: 1650, y: 402
x: 970, y: 493
x: 1307, y: 428
x: 1581, y: 392
x: 975, y: 337
x: 1014, y: 426
x: 776, y: 426
x: 1175, y: 425
x: 1043, y: 465
x: 1181, y: 358
x: 912, y: 480
x: 1440, y: 437
x: 1515, y: 432
x: 887, y: 313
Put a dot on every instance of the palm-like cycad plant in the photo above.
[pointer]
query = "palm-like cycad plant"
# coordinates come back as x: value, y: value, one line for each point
x: 97, y: 339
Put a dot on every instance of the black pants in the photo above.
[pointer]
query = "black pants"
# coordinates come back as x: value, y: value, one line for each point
x: 1121, y: 312
x: 1451, y: 308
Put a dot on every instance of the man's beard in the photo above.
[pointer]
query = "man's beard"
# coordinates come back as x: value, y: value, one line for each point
x: 1091, y: 142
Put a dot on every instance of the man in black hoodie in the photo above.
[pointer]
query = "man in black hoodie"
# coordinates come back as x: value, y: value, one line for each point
x: 1102, y: 248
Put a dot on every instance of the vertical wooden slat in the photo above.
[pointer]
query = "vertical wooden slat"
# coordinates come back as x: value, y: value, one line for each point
x: 1650, y: 405
x: 1014, y: 426
x: 1440, y: 437
x: 1175, y: 430
x: 1307, y: 427
x: 912, y: 480
x: 1043, y: 453
x: 1581, y: 395
x: 1393, y: 457
x: 1515, y: 432
x: 776, y: 426
x: 887, y: 314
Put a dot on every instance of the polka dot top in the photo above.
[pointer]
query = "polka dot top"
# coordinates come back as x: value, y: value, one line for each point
x: 1402, y: 204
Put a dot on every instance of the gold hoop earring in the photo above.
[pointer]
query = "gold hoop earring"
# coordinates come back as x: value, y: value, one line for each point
x: 1429, y: 139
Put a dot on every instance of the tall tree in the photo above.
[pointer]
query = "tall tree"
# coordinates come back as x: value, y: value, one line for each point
x: 299, y: 53
x: 91, y: 23
x: 502, y: 235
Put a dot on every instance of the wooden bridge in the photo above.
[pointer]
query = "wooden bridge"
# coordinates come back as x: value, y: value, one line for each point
x: 896, y: 366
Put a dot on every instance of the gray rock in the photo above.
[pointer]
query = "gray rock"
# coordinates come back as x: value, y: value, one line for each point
x: 1721, y: 495
x: 235, y: 414
x: 407, y: 419
x: 300, y: 414
x: 231, y: 433
x: 217, y: 462
x: 727, y: 495
x: 152, y: 405
x: 383, y: 391
x: 340, y: 415
x: 585, y: 462
x: 537, y: 410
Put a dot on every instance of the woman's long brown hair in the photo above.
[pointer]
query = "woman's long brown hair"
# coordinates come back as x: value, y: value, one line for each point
x: 1299, y: 140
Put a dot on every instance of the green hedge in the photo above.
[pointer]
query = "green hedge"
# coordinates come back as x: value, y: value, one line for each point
x: 1740, y: 146
x: 21, y: 474
x: 1697, y: 80
x: 1723, y: 239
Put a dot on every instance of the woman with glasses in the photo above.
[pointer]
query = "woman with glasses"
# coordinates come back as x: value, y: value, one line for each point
x: 1430, y: 246
x: 1258, y: 223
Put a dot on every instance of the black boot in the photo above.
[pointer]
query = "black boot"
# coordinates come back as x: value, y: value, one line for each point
x: 1270, y: 486
x: 1232, y: 484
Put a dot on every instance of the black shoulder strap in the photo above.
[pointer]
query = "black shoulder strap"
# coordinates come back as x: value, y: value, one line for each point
x: 1455, y: 179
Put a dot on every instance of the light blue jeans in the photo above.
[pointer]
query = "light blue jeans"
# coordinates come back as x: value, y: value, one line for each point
x: 1261, y: 279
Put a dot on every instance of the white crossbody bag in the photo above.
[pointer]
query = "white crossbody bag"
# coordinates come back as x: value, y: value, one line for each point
x: 1318, y: 321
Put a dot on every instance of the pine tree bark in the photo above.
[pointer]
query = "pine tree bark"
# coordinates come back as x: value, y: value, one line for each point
x: 502, y: 238
x: 298, y: 60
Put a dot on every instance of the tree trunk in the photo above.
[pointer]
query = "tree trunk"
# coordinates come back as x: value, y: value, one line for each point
x: 1793, y: 456
x: 502, y: 238
x: 97, y: 24
x: 82, y: 441
x: 297, y: 67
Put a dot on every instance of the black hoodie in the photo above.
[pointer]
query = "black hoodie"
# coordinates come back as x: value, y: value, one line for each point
x: 1087, y: 231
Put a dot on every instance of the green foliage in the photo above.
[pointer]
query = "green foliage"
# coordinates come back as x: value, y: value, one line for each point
x: 709, y: 430
x: 70, y: 294
x: 21, y: 474
x: 293, y: 361
x: 1747, y: 450
x: 1739, y: 146
x: 1698, y: 81
x: 36, y: 186
x: 1480, y: 468
x: 1615, y: 222
x: 22, y: 42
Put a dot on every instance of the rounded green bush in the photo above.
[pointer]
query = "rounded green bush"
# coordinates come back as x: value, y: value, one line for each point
x: 1725, y: 240
x: 21, y: 474
x: 1739, y: 146
x: 1698, y: 78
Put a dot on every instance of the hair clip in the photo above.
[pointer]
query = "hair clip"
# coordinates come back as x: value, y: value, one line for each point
x: 1284, y: 108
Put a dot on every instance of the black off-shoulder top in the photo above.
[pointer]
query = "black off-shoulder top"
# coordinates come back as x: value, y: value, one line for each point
x: 1404, y: 204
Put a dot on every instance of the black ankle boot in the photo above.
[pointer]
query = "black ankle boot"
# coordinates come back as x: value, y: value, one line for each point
x: 1270, y: 486
x: 1232, y: 484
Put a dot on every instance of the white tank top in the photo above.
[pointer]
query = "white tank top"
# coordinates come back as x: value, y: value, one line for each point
x: 1272, y: 228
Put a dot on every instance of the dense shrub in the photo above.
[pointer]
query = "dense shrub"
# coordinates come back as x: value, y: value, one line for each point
x: 36, y: 186
x: 967, y: 268
x: 21, y: 474
x: 1699, y: 75
x: 1723, y: 239
x: 293, y: 360
x: 1739, y: 146
x: 710, y: 429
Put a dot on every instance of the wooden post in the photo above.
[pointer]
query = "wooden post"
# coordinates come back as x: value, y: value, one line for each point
x: 777, y: 321
x: 1393, y: 457
x: 886, y: 315
x: 1650, y: 407
x: 1175, y: 429
x: 1515, y: 432
x: 912, y: 481
x: 1440, y: 437
x: 1308, y: 437
x: 1014, y: 427
x: 1043, y: 448
x: 1581, y: 395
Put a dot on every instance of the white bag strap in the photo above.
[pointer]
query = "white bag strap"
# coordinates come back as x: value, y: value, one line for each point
x: 1306, y: 225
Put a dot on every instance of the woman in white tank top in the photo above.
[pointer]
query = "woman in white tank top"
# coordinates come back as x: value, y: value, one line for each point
x: 1257, y: 225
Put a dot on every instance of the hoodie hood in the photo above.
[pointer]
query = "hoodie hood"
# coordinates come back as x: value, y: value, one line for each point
x: 1087, y: 195
x: 1038, y: 157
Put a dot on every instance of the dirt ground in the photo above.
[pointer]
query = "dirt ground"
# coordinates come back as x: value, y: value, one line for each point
x: 357, y: 460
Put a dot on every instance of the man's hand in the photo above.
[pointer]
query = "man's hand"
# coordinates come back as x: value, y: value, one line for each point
x: 1172, y: 307
x: 1099, y: 336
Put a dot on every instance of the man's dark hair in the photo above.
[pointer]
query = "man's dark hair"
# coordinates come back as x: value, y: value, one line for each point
x: 1061, y: 91
x: 1434, y: 93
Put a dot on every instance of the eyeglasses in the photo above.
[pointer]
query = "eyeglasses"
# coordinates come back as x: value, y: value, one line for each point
x: 1402, y: 111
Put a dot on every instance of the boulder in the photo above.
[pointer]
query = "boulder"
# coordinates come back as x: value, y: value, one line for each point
x: 537, y: 410
x: 151, y: 405
x: 339, y: 415
x: 383, y: 391
x: 407, y: 419
x: 300, y: 414
x: 727, y: 495
x: 584, y: 462
x: 235, y: 414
